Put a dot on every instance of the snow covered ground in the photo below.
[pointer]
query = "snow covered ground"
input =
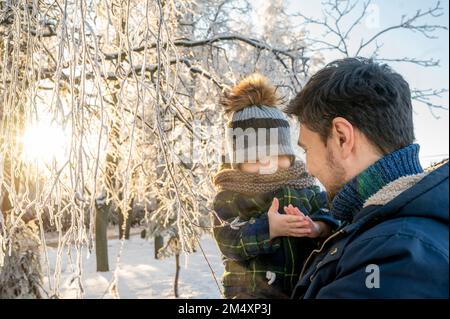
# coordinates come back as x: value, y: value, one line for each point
x: 139, y: 274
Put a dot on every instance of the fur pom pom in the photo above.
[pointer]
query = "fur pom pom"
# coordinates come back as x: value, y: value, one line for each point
x: 255, y: 89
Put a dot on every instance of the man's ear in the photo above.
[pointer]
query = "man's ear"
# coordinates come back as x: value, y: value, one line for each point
x: 343, y: 135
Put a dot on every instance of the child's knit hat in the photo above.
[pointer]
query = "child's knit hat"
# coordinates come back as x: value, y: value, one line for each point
x: 258, y: 128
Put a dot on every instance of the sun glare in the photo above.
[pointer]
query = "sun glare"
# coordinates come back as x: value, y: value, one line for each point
x: 44, y: 143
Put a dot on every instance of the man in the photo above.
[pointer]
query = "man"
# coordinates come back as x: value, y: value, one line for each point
x: 357, y: 132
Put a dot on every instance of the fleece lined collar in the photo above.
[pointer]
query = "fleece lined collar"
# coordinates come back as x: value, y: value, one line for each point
x: 351, y: 198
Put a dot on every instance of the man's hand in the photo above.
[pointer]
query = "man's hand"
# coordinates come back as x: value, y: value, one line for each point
x: 308, y: 228
x: 284, y: 225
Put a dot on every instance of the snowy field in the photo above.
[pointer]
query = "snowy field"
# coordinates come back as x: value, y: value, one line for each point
x: 139, y: 274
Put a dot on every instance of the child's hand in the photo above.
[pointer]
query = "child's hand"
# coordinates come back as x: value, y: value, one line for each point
x: 283, y: 225
x: 307, y: 227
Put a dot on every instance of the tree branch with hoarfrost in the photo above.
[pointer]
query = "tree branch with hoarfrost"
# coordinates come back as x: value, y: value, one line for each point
x: 339, y: 28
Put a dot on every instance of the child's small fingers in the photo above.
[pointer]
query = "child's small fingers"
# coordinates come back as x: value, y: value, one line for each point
x: 299, y: 224
x: 298, y: 212
x: 290, y: 210
x: 293, y: 218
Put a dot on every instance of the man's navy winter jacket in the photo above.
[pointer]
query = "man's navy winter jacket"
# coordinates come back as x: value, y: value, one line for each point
x: 395, y: 247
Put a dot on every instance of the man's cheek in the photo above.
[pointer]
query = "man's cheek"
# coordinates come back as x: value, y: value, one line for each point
x: 316, y: 168
x: 310, y: 167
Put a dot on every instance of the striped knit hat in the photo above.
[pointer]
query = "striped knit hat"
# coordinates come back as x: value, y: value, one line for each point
x: 257, y: 128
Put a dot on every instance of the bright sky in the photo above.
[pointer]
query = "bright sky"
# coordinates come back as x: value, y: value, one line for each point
x: 431, y: 133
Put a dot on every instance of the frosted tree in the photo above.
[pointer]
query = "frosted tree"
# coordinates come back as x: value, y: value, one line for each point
x: 20, y: 273
x: 339, y: 29
x: 132, y: 90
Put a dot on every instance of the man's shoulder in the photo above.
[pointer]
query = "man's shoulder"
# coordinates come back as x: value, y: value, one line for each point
x: 432, y: 183
x: 404, y: 235
x: 419, y: 211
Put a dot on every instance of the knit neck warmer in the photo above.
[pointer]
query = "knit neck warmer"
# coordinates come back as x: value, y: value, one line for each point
x: 253, y: 183
x: 350, y: 199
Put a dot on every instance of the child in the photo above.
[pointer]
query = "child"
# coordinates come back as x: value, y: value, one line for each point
x: 256, y: 197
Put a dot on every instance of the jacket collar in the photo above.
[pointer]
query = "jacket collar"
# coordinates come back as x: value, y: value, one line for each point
x: 375, y: 213
x: 351, y: 198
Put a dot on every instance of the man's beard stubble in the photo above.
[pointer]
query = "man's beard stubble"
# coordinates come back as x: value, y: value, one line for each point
x: 338, y: 177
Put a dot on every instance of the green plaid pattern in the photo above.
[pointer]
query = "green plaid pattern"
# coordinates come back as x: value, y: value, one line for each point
x: 248, y: 252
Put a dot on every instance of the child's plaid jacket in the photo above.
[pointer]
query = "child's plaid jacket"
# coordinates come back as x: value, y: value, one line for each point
x: 255, y: 266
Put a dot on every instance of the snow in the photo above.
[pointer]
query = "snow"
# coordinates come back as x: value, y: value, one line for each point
x: 139, y: 274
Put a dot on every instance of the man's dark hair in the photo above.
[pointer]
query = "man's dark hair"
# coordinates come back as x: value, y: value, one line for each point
x: 371, y: 96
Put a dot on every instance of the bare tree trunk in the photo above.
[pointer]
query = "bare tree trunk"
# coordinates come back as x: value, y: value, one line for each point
x: 159, y: 243
x: 177, y: 274
x: 112, y: 162
x: 101, y: 237
x: 124, y: 217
